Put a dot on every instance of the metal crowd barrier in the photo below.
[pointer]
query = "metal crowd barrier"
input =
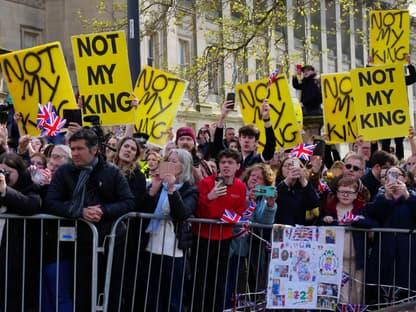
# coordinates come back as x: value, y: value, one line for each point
x: 245, y: 277
x: 125, y: 276
x: 33, y: 249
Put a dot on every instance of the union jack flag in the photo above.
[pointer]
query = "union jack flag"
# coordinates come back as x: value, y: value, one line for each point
x: 44, y: 113
x: 351, y: 307
x: 303, y: 151
x: 345, y: 278
x: 302, y: 234
x: 230, y: 217
x: 53, y: 125
x: 323, y: 187
x: 272, y: 77
x: 348, y: 218
x: 250, y: 210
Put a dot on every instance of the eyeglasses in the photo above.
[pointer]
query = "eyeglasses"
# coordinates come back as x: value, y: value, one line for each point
x: 57, y: 156
x: 411, y: 163
x: 355, y: 168
x: 348, y: 193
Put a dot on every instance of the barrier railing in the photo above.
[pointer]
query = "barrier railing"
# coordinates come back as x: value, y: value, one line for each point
x: 47, y: 262
x: 39, y: 263
x: 242, y: 273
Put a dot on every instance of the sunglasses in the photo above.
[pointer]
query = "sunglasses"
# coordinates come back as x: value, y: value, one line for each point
x: 355, y: 168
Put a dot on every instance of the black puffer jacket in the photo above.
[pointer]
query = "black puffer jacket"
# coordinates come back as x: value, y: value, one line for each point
x: 106, y: 186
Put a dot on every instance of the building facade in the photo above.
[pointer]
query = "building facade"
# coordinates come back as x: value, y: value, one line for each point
x: 334, y: 33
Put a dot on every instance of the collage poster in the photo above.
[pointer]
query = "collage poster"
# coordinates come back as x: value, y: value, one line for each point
x: 305, y: 268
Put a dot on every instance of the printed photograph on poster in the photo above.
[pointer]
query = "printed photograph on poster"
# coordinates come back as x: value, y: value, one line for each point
x: 305, y: 268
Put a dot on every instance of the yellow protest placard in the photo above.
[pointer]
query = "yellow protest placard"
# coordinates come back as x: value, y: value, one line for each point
x: 381, y: 102
x: 282, y: 115
x: 159, y: 94
x: 389, y: 36
x: 35, y: 76
x: 103, y: 75
x: 339, y: 111
x: 298, y: 111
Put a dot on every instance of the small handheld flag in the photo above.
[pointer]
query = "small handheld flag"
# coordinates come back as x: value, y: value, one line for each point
x: 303, y: 151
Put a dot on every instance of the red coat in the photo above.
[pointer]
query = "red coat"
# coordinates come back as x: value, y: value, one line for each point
x: 234, y: 200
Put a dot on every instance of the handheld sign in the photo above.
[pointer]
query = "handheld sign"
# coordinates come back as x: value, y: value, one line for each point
x: 104, y: 79
x: 381, y: 102
x: 389, y: 36
x: 159, y: 94
x: 339, y: 111
x: 282, y: 114
x: 35, y: 76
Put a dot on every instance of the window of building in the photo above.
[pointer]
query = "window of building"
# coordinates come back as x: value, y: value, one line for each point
x: 153, y: 52
x: 213, y: 75
x: 184, y: 55
x: 30, y: 37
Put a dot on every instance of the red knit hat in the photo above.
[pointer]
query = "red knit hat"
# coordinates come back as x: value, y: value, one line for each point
x: 185, y: 131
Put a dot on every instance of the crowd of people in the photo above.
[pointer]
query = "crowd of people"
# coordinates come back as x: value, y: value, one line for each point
x: 214, y: 173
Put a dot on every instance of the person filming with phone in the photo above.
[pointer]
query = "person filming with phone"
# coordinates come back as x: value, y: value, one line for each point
x: 248, y: 137
x: 297, y: 201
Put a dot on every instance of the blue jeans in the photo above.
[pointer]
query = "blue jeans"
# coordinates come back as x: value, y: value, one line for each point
x: 62, y: 290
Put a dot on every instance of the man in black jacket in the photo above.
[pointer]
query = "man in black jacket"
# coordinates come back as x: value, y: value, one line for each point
x: 96, y: 191
x: 310, y: 86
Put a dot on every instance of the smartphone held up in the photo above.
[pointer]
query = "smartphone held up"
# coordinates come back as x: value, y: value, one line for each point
x: 231, y: 99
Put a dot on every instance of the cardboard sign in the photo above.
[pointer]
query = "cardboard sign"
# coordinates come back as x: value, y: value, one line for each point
x: 389, y: 36
x: 159, y: 94
x: 104, y: 79
x: 339, y: 111
x: 305, y: 268
x: 35, y: 76
x: 381, y: 102
x: 282, y: 113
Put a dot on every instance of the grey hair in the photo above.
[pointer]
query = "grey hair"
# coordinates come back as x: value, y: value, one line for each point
x: 186, y: 160
x: 65, y: 148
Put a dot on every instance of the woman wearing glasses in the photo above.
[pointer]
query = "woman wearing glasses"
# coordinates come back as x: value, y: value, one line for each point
x: 394, y: 254
x: 297, y: 199
x: 345, y: 209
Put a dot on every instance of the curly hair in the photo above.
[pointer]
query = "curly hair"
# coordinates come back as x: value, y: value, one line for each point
x: 267, y: 172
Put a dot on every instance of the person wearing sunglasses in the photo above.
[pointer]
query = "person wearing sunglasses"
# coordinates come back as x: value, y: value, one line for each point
x: 354, y: 165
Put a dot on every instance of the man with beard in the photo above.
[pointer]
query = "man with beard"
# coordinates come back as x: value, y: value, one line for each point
x: 185, y: 138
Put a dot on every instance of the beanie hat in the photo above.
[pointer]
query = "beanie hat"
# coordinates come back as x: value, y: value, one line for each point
x: 183, y: 131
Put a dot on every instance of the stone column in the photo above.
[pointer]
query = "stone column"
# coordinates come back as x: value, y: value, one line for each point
x: 312, y: 126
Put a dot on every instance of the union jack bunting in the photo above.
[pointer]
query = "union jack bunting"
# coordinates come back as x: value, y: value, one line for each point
x: 44, y: 113
x: 272, y: 77
x: 351, y: 307
x: 303, y: 151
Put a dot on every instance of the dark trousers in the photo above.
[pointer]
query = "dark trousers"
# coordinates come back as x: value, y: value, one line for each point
x: 83, y: 301
x: 165, y: 284
x: 209, y: 262
x: 385, y: 146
